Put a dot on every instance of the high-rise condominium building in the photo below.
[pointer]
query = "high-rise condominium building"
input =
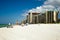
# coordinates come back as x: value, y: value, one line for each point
x: 51, y: 16
x: 32, y: 18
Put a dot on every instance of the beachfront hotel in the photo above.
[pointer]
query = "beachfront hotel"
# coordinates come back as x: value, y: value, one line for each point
x: 32, y: 18
x: 47, y: 17
x: 51, y: 17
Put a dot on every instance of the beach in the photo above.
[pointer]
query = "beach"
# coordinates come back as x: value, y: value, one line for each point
x: 31, y: 32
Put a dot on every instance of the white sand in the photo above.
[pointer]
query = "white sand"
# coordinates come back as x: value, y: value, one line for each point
x: 31, y: 32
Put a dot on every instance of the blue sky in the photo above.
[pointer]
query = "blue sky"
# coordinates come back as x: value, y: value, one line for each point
x: 12, y: 10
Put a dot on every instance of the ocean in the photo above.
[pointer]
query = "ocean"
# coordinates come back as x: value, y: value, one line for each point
x: 3, y: 25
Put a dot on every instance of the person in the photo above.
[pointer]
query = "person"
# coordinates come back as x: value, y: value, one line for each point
x: 26, y: 24
x: 9, y: 24
x: 22, y: 24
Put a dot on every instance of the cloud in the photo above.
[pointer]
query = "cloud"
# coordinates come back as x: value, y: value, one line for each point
x: 42, y: 9
x: 48, y: 5
x: 55, y: 3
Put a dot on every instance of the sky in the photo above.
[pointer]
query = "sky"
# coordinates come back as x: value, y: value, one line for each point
x: 13, y: 10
